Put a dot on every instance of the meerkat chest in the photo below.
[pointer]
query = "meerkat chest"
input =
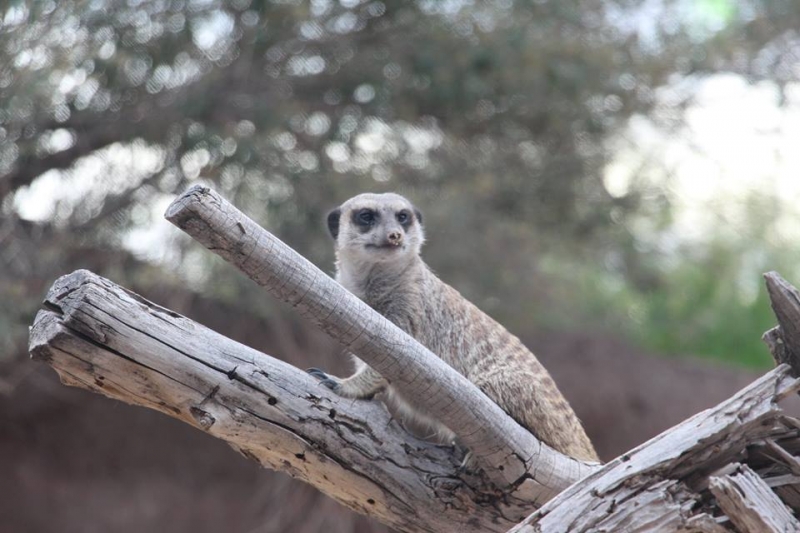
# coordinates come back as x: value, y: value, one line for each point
x: 422, y: 316
x: 395, y: 295
x: 418, y: 304
x: 399, y: 307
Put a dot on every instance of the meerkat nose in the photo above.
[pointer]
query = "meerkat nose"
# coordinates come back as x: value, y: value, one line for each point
x: 395, y: 238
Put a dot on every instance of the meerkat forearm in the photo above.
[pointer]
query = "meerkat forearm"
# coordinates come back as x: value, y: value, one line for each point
x: 365, y: 383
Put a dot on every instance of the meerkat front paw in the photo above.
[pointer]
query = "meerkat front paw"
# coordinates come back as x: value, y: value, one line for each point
x: 358, y: 386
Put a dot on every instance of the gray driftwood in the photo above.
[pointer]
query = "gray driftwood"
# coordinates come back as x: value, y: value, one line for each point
x: 663, y: 485
x: 734, y: 467
x: 103, y: 338
x: 514, y: 460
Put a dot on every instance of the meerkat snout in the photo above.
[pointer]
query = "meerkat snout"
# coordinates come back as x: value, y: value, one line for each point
x: 395, y: 238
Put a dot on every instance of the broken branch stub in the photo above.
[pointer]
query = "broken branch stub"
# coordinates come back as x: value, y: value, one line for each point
x: 750, y: 504
x: 784, y: 340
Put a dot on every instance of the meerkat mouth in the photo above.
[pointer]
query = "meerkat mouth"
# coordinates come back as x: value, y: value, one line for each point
x: 387, y: 246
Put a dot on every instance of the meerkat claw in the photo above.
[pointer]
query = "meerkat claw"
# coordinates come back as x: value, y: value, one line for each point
x: 330, y: 384
x: 323, y: 378
x: 317, y: 373
x: 468, y: 464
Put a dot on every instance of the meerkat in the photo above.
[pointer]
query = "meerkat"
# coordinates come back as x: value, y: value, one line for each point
x: 378, y: 241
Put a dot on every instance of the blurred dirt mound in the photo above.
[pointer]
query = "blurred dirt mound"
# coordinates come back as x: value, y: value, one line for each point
x: 624, y: 396
x: 76, y: 462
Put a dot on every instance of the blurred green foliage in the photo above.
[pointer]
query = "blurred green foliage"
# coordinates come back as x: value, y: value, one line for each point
x: 703, y: 298
x: 497, y: 117
x: 698, y: 308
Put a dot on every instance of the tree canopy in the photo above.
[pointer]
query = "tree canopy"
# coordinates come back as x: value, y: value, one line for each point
x: 497, y: 117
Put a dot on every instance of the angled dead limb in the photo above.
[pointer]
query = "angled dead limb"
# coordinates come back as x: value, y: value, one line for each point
x: 100, y: 337
x: 734, y: 467
x: 663, y: 484
x: 513, y: 459
x: 690, y: 478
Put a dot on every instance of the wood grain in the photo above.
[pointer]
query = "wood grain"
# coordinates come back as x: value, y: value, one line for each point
x: 101, y: 337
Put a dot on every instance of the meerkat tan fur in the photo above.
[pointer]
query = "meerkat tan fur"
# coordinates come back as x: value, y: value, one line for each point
x: 378, y: 241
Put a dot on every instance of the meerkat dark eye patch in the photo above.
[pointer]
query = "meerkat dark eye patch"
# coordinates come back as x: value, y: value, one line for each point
x: 333, y: 222
x: 404, y: 218
x: 364, y: 218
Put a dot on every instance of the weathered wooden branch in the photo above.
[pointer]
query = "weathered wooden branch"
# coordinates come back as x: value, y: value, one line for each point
x: 734, y: 467
x: 103, y: 338
x: 669, y: 483
x: 663, y: 484
x: 513, y: 458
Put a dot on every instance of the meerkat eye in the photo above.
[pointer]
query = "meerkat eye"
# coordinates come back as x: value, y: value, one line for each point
x: 366, y: 217
x: 402, y: 217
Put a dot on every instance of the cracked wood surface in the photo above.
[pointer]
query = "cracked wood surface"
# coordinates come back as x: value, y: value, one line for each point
x: 514, y: 459
x: 750, y: 504
x: 662, y: 485
x: 103, y: 338
x: 100, y: 337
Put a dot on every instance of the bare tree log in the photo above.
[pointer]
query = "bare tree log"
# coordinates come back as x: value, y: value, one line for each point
x: 750, y: 504
x: 734, y: 467
x: 662, y: 485
x: 513, y: 458
x: 100, y: 337
x: 103, y: 338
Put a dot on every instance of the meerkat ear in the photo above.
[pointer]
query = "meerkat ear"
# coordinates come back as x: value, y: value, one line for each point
x: 333, y: 222
x: 418, y: 215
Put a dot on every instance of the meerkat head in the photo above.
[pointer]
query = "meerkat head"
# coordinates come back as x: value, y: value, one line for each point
x: 376, y: 227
